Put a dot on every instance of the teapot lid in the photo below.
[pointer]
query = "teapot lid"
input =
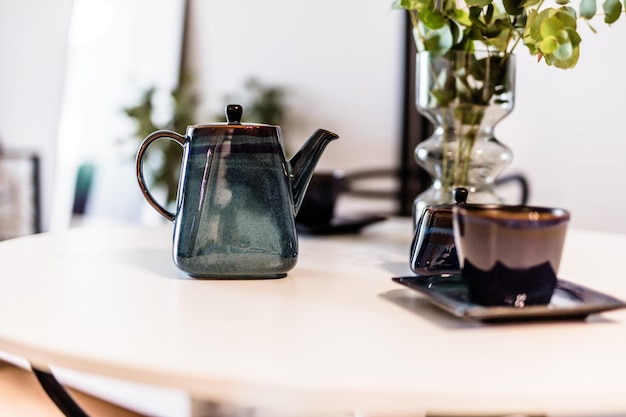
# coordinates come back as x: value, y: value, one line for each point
x: 233, y: 114
x: 233, y: 117
x: 234, y: 127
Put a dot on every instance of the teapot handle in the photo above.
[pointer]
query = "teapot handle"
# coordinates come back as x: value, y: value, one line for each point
x: 151, y: 138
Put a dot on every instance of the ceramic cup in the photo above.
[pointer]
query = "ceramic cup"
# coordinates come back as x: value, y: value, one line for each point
x: 509, y: 255
x: 318, y: 205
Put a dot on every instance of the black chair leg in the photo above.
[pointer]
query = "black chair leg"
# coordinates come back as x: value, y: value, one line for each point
x: 58, y: 394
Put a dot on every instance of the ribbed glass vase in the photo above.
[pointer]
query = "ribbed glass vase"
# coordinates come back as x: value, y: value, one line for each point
x: 464, y: 95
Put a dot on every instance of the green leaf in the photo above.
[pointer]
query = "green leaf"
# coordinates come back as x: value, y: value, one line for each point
x: 478, y: 3
x: 550, y: 26
x: 574, y: 37
x: 564, y: 63
x: 562, y: 36
x: 567, y: 15
x: 443, y: 97
x: 457, y: 32
x: 531, y: 30
x: 530, y: 3
x: 462, y: 17
x: 446, y: 6
x: 474, y: 34
x: 489, y: 13
x: 612, y: 10
x: 492, y: 31
x: 407, y: 4
x: 433, y: 19
x: 474, y: 13
x: 548, y: 45
x: 564, y: 51
x: 437, y: 41
x: 552, y: 34
x: 587, y: 9
x: 513, y: 7
x: 498, y: 43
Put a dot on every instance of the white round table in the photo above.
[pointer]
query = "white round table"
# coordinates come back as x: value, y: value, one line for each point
x: 335, y: 335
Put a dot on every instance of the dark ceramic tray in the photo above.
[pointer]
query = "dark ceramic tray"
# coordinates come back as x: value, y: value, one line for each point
x: 569, y: 301
x: 339, y: 225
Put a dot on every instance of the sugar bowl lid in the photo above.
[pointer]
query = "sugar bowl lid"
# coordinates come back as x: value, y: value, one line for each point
x: 433, y: 251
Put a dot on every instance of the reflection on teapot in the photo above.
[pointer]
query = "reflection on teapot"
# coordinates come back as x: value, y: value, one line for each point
x: 237, y: 197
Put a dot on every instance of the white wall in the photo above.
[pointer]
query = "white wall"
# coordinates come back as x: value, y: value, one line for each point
x: 33, y: 39
x: 342, y: 62
x: 567, y: 130
x: 117, y: 50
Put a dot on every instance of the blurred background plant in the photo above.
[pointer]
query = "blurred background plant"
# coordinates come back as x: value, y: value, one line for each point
x: 164, y: 157
x: 261, y: 103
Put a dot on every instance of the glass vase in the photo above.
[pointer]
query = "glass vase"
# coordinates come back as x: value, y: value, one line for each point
x: 464, y: 95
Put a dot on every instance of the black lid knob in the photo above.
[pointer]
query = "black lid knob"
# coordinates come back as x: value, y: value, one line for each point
x: 460, y: 195
x: 233, y: 114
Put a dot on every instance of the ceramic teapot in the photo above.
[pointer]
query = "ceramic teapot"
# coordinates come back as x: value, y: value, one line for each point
x: 237, y: 199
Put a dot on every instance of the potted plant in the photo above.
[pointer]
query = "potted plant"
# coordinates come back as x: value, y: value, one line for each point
x: 466, y: 79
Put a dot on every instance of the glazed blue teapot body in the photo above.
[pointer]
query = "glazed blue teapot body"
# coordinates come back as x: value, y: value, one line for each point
x: 238, y: 196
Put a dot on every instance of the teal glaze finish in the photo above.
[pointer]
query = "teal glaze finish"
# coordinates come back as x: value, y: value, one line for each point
x: 236, y: 211
x: 237, y: 198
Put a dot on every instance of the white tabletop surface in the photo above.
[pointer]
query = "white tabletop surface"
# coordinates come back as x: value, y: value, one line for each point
x: 336, y: 334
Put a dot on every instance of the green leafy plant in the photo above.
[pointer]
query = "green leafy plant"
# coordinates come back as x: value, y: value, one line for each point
x: 549, y: 32
x: 469, y: 45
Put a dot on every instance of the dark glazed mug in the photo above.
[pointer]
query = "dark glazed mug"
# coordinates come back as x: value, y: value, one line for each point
x: 509, y: 255
x: 318, y: 205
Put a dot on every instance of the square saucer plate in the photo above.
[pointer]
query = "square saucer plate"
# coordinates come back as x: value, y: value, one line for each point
x: 570, y: 301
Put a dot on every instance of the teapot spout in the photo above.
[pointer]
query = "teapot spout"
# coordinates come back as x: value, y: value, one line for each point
x: 304, y: 161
